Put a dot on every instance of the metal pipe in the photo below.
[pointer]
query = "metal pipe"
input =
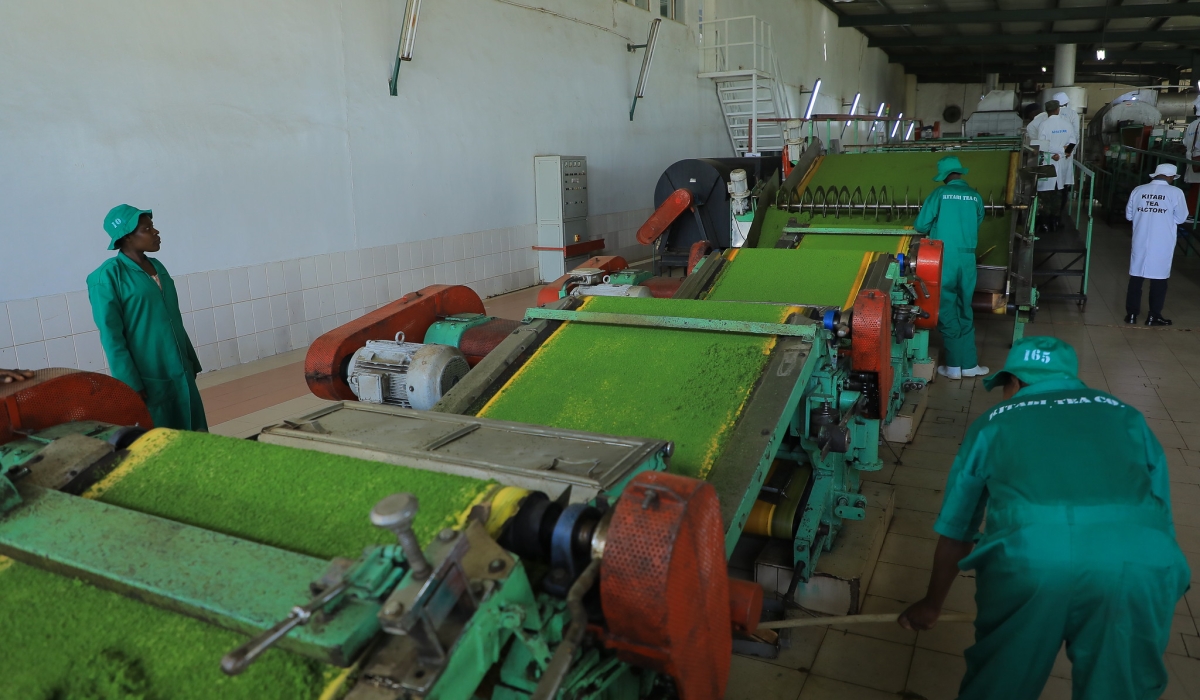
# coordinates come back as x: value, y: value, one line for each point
x: 1064, y: 65
x: 560, y: 664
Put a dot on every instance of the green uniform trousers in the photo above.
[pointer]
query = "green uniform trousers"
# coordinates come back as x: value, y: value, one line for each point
x: 956, y: 320
x: 1104, y: 579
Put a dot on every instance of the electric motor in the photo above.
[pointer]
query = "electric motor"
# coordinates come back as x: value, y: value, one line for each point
x: 412, y: 375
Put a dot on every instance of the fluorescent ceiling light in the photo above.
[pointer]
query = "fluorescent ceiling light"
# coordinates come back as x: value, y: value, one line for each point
x: 854, y: 107
x: 896, y: 125
x: 1100, y: 54
x: 812, y: 99
x: 908, y: 134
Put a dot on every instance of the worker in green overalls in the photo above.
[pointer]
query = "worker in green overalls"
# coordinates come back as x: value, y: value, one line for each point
x: 137, y: 311
x: 952, y: 214
x: 1079, y: 545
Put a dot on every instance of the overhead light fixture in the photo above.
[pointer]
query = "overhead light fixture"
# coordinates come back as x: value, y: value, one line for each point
x: 854, y: 106
x: 812, y: 99
x: 1100, y: 54
x: 896, y: 126
x: 881, y: 107
x: 1043, y: 69
x: 908, y: 134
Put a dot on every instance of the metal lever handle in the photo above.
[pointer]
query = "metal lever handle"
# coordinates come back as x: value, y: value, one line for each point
x: 924, y: 289
x: 240, y: 659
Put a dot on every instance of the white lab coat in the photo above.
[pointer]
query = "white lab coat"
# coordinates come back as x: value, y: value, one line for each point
x: 1056, y: 132
x: 1034, y: 125
x: 1034, y: 130
x: 1191, y: 146
x: 1156, y: 210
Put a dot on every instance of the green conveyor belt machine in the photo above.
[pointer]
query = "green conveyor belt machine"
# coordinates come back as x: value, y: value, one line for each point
x: 880, y: 193
x: 371, y: 552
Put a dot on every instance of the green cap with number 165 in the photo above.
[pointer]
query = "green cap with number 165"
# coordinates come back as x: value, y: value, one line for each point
x: 1037, y: 359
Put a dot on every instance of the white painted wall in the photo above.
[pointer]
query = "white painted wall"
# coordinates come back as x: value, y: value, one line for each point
x: 263, y: 136
x: 811, y: 46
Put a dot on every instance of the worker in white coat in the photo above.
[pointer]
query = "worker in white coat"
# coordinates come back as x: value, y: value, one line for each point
x: 1058, y: 139
x: 1063, y: 101
x: 1156, y: 210
x: 1191, y: 145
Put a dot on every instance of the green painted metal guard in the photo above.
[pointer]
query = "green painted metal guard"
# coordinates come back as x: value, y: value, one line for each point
x: 694, y: 324
x: 155, y: 560
x: 449, y: 331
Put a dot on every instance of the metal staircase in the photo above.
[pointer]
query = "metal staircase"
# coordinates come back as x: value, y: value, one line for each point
x: 737, y: 54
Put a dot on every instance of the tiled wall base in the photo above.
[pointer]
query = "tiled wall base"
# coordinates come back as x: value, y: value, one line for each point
x: 247, y: 313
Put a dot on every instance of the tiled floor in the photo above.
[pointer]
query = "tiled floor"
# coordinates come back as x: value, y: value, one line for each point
x: 1154, y: 369
x: 242, y: 399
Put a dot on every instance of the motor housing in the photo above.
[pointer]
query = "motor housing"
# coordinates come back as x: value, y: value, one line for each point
x: 411, y: 375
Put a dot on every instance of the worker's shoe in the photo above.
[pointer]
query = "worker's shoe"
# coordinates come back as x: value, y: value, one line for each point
x: 1157, y: 321
x: 976, y: 371
x: 950, y: 372
x: 1131, y: 319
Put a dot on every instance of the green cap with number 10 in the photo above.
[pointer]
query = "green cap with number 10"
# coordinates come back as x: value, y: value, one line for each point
x: 1037, y: 359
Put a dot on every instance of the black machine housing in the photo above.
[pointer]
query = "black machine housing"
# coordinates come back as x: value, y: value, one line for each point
x: 708, y: 179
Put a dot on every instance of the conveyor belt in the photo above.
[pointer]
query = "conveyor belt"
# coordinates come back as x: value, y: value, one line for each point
x: 681, y: 385
x: 826, y: 270
x: 66, y: 638
x: 902, y: 173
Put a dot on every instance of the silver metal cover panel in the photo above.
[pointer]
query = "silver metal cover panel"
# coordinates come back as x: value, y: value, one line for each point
x: 514, y: 454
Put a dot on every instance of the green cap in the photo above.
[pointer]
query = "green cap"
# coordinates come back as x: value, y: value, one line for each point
x: 1036, y: 359
x: 947, y: 165
x: 121, y: 221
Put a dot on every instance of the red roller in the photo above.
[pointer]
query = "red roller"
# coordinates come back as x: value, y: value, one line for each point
x: 412, y: 314
x: 664, y: 587
x: 663, y: 287
x: 675, y: 204
x: 929, y: 271
x: 56, y: 396
x: 871, y: 340
x: 478, y: 341
x: 745, y: 605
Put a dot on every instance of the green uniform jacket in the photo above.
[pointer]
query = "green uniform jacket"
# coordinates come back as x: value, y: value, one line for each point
x: 952, y: 213
x: 143, y: 336
x: 1079, y: 545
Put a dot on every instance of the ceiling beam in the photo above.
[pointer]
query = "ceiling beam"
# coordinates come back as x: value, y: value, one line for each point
x: 1047, y: 15
x: 1184, y: 37
x: 1043, y: 58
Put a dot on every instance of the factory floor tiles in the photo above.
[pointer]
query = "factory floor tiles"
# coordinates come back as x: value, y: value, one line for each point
x: 1156, y: 370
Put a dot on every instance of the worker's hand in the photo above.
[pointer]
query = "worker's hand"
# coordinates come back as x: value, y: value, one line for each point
x: 921, y: 615
x: 1054, y: 156
x: 8, y: 376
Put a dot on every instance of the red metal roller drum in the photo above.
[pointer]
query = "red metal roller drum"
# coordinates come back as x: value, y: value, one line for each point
x: 412, y: 314
x: 478, y: 341
x: 871, y: 340
x: 56, y: 396
x: 678, y: 202
x: 664, y: 587
x: 929, y: 271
